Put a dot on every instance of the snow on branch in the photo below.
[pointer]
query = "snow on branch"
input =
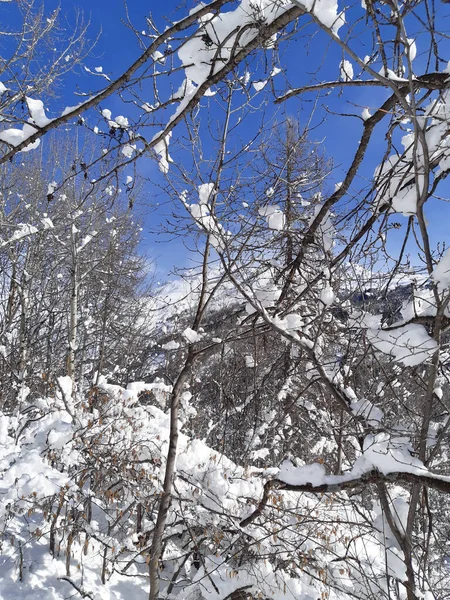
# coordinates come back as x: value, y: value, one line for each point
x: 116, y: 85
x: 339, y: 483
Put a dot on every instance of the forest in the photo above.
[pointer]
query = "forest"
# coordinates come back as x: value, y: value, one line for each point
x: 224, y: 301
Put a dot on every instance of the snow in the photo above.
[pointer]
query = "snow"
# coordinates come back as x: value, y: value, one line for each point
x: 391, y: 178
x: 52, y: 187
x: 400, y: 180
x: 441, y: 272
x: 37, y: 112
x: 85, y: 241
x: 368, y: 411
x: 388, y: 455
x: 24, y: 230
x: 260, y: 85
x: 191, y: 335
x: 172, y: 345
x: 313, y: 474
x: 122, y: 121
x: 249, y: 361
x: 148, y: 107
x: 2, y: 88
x: 222, y: 35
x: 381, y: 452
x: 411, y: 48
x: 205, y: 191
x: 326, y: 11
x: 128, y: 150
x: 422, y: 304
x: 291, y: 322
x: 346, y: 70
x: 204, y: 219
x: 327, y: 295
x: 162, y: 149
x: 325, y: 232
x: 187, y: 88
x: 14, y: 137
x: 47, y: 223
x: 265, y: 291
x: 409, y: 344
x: 44, y: 465
x: 159, y: 57
x: 275, y: 217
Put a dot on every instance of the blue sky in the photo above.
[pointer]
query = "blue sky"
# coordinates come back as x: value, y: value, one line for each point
x: 117, y: 47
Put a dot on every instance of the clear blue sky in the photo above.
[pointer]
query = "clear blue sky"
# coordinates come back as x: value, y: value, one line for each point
x: 117, y: 48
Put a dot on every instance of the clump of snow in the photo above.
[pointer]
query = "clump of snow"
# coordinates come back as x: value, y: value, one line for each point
x: 172, y: 345
x: 422, y: 304
x: 14, y: 137
x: 52, y: 187
x: 187, y: 88
x: 47, y: 223
x: 327, y: 295
x: 122, y: 121
x: 265, y: 291
x: 249, y: 361
x: 260, y: 85
x: 325, y: 232
x: 409, y: 344
x: 37, y: 112
x: 388, y: 455
x: 24, y: 230
x: 191, y: 335
x: 346, y: 70
x: 441, y: 273
x: 313, y: 474
x: 221, y: 36
x: 400, y: 180
x: 158, y: 57
x: 368, y: 411
x: 411, y: 48
x: 128, y: 150
x: 205, y: 191
x: 291, y: 322
x: 274, y: 216
x: 204, y: 219
x: 162, y: 150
